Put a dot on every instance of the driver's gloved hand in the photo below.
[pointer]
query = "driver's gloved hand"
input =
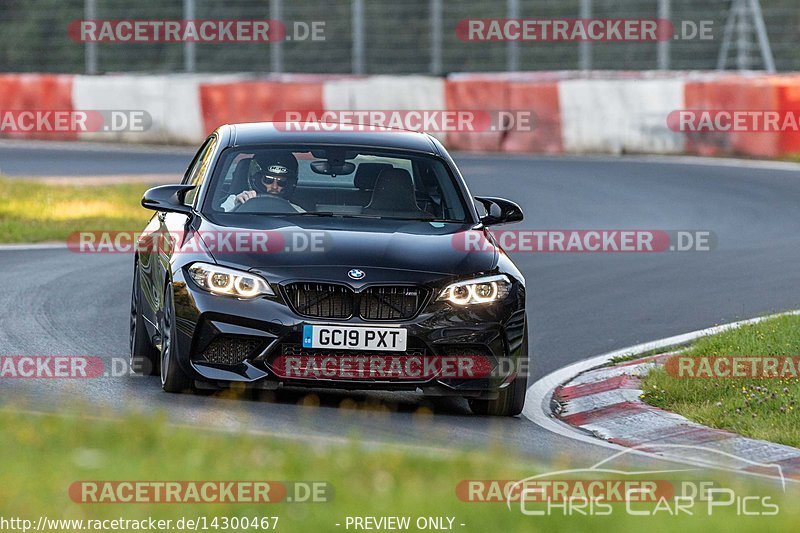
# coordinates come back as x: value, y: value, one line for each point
x: 244, y: 196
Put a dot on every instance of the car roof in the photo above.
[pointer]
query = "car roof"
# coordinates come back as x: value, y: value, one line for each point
x: 286, y: 133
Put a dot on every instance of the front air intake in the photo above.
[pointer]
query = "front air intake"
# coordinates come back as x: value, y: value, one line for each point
x: 322, y: 300
x: 231, y: 350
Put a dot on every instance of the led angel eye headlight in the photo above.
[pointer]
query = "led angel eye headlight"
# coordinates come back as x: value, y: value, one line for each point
x: 246, y: 287
x: 477, y: 291
x: 485, y: 292
x: 219, y: 282
x: 459, y: 294
x: 229, y: 282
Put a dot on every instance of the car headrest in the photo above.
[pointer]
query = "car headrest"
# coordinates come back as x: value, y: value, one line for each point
x: 367, y: 174
x: 428, y: 177
x: 394, y: 191
x: 240, y: 174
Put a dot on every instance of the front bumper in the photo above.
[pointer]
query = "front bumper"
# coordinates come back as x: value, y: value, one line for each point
x: 223, y: 340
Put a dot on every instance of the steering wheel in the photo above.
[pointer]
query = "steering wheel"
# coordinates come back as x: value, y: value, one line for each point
x: 265, y: 203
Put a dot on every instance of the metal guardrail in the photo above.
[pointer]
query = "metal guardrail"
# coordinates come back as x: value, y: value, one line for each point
x: 391, y: 37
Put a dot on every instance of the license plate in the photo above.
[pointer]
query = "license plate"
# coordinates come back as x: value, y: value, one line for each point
x: 355, y: 338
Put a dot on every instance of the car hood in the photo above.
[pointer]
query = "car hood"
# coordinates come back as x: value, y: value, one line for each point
x: 323, y: 248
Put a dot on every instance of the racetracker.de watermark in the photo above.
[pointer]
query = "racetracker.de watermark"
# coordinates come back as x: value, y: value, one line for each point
x: 561, y: 490
x: 733, y: 367
x: 430, y: 120
x: 70, y: 367
x: 587, y: 241
x: 733, y: 120
x: 581, y: 30
x: 200, y: 492
x: 198, y: 31
x: 56, y: 367
x: 74, y: 121
x: 395, y: 367
x: 215, y: 242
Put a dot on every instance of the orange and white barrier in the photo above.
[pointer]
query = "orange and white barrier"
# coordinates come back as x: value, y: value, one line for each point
x: 34, y: 92
x: 619, y: 116
x: 757, y: 116
x: 616, y: 112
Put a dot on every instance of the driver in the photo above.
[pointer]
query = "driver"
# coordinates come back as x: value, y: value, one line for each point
x: 277, y: 176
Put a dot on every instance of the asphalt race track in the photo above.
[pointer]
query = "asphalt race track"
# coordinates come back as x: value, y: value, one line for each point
x: 580, y: 304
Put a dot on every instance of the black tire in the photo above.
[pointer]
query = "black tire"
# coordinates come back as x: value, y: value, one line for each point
x: 173, y: 378
x: 144, y: 357
x: 510, y: 400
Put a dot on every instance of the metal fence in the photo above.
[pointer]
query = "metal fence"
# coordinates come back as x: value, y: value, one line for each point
x: 396, y: 37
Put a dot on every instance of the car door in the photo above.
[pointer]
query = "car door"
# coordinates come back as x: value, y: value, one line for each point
x: 172, y: 226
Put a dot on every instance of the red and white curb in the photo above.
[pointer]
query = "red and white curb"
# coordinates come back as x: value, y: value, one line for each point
x: 599, y: 404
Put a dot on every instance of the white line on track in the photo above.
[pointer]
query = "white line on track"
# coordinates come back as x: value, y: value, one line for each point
x: 26, y: 247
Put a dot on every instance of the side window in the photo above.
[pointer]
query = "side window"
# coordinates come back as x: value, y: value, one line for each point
x: 194, y: 163
x: 198, y: 170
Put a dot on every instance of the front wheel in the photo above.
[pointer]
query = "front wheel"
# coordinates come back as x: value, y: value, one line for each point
x: 144, y: 356
x: 510, y: 400
x: 173, y: 378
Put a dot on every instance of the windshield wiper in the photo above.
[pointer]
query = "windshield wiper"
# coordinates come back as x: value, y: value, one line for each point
x: 379, y: 217
x: 442, y: 220
x: 332, y: 214
x: 315, y: 214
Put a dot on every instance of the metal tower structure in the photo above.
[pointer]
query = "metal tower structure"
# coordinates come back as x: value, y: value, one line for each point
x: 747, y: 22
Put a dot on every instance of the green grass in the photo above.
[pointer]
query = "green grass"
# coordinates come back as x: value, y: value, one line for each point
x: 631, y: 357
x: 761, y: 408
x: 35, y: 212
x: 44, y: 454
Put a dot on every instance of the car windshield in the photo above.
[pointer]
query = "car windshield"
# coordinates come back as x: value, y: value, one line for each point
x: 335, y: 181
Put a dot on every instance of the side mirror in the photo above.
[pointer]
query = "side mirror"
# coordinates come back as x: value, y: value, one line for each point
x: 499, y: 211
x: 168, y: 198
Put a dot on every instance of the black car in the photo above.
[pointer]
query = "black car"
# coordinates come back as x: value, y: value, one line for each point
x: 329, y: 259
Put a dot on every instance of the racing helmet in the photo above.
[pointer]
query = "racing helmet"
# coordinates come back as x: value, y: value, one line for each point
x: 274, y: 165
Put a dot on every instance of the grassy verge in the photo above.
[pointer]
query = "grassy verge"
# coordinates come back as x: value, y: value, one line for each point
x: 36, y: 212
x: 760, y: 408
x: 44, y: 455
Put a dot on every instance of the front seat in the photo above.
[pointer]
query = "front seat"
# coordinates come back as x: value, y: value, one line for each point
x: 239, y: 182
x: 394, y: 196
x: 366, y: 176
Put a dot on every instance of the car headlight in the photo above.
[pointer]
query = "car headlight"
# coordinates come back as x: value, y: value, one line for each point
x: 477, y: 291
x: 229, y: 282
